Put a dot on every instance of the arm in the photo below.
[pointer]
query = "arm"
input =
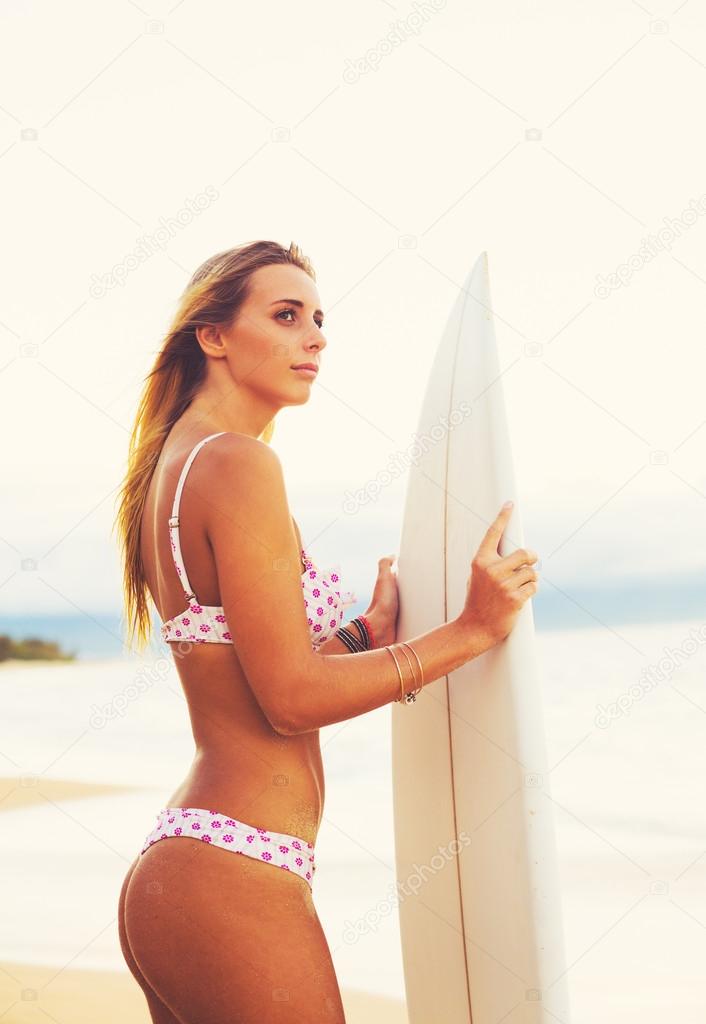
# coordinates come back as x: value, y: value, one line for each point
x: 381, y: 614
x: 349, y: 685
x: 257, y: 559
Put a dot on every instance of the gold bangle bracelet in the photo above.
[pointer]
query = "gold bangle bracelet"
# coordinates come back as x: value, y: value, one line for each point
x: 394, y: 655
x: 399, y: 673
x: 410, y: 663
x: 411, y: 696
x: 421, y: 670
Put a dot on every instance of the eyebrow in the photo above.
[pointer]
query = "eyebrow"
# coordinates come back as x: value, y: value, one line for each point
x: 295, y: 302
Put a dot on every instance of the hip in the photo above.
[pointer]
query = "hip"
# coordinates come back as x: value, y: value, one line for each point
x: 281, y: 850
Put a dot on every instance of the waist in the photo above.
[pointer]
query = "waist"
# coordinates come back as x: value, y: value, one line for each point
x: 277, y: 795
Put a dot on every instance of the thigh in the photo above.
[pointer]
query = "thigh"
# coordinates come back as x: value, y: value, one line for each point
x: 222, y: 936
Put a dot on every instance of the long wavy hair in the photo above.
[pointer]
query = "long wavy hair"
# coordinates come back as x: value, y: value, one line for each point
x: 214, y: 295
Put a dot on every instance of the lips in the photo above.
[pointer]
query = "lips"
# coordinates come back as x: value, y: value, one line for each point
x: 306, y: 366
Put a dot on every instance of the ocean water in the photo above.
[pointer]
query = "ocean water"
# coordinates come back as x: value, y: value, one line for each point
x: 657, y: 599
x: 625, y: 720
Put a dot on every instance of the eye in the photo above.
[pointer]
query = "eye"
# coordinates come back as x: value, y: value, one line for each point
x: 317, y: 320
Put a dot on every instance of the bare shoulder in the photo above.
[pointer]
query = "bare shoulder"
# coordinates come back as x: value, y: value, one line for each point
x: 232, y: 446
x: 246, y: 490
x: 239, y: 459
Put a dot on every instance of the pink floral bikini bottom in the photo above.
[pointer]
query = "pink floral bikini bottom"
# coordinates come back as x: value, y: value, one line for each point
x: 275, y: 848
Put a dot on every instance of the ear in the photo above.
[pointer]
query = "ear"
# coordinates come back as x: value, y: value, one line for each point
x: 210, y: 339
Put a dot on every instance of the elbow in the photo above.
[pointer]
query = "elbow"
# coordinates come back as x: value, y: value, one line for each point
x: 285, y: 717
x: 290, y: 723
x: 294, y: 717
x: 290, y: 711
x: 283, y: 727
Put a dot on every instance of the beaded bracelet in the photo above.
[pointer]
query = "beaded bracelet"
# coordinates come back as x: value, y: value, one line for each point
x: 362, y: 622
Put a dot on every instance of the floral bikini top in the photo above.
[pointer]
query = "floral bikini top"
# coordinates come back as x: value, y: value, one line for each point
x: 206, y: 623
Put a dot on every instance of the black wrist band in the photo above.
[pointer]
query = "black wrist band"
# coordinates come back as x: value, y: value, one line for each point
x: 350, y: 640
x: 364, y: 634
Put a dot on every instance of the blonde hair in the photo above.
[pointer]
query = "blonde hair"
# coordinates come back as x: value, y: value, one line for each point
x: 214, y: 295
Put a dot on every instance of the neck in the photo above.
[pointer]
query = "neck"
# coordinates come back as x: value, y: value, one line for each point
x: 235, y: 412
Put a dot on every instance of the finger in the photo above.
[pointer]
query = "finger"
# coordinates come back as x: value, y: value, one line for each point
x: 523, y: 556
x: 529, y: 589
x: 524, y: 575
x: 491, y: 540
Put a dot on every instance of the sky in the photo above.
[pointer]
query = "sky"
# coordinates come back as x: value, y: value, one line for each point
x: 394, y: 143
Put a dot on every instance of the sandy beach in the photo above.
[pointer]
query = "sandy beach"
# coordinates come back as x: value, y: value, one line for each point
x: 82, y: 996
x: 71, y: 995
x: 112, y: 997
x: 33, y: 790
x: 628, y: 812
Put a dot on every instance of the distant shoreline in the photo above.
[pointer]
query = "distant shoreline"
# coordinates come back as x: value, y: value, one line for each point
x: 32, y: 648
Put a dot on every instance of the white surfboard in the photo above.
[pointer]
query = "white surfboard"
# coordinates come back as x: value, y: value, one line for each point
x: 477, y: 886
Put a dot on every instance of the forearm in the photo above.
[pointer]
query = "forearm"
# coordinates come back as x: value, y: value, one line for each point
x: 343, y: 686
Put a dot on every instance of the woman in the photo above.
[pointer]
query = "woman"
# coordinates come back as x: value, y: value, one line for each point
x: 262, y: 653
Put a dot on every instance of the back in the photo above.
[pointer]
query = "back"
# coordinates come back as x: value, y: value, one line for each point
x: 238, y: 755
x: 184, y: 504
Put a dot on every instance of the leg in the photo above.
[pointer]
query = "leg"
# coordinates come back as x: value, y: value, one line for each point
x: 221, y: 936
x: 160, y: 1013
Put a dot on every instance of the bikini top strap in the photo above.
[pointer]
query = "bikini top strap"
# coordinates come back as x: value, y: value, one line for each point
x: 174, y: 518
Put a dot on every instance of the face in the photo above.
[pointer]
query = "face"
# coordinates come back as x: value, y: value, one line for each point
x: 279, y: 326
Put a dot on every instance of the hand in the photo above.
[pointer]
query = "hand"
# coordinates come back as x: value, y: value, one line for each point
x: 498, y: 587
x: 384, y: 604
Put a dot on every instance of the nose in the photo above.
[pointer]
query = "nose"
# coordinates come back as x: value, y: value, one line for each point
x: 316, y: 341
